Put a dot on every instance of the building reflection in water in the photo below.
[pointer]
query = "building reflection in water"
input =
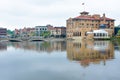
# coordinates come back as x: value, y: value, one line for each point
x: 87, y: 52
x: 84, y: 52
x: 3, y: 46
x: 40, y: 46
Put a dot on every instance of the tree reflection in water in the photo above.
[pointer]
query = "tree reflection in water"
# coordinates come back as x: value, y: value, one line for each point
x: 41, y: 46
x: 3, y: 46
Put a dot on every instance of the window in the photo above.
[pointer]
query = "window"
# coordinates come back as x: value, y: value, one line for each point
x: 85, y: 33
x: 100, y: 34
x: 82, y: 23
x: 94, y: 34
x: 104, y: 34
x: 80, y: 33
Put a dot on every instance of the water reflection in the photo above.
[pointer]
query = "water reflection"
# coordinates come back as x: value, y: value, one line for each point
x: 20, y: 62
x: 84, y: 52
x: 87, y: 52
x: 117, y: 45
x: 40, y: 46
x: 3, y: 46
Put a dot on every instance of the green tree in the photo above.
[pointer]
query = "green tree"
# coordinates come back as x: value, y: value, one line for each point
x: 32, y: 34
x: 9, y: 32
x: 118, y: 33
x: 45, y: 34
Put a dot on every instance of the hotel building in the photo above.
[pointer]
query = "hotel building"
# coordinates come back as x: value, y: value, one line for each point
x: 78, y: 27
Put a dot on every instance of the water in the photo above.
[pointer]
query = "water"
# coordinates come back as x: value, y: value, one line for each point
x: 60, y: 60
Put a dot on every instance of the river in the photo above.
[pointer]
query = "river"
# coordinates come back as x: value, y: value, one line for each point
x: 60, y: 60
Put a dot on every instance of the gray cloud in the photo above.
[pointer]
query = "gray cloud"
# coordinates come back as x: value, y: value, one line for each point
x: 23, y: 13
x: 42, y: 2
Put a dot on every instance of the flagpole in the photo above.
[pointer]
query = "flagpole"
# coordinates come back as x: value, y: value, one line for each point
x: 83, y: 4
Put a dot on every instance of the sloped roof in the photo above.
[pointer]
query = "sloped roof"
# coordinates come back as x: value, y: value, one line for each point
x: 92, y: 18
x: 86, y: 18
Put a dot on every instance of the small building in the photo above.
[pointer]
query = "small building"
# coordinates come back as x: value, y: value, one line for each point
x: 40, y: 29
x: 51, y: 29
x: 60, y: 32
x: 30, y: 32
x: 25, y: 32
x: 3, y: 32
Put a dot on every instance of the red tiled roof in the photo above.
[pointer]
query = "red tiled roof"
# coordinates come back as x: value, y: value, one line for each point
x: 107, y: 19
x: 84, y: 17
x: 91, y: 18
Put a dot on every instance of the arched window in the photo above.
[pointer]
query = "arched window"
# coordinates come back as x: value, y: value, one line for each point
x: 100, y: 34
x: 77, y: 33
x: 103, y: 34
x: 80, y: 33
x: 94, y: 34
x: 85, y: 33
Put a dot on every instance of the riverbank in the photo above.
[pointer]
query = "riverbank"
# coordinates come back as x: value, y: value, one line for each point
x: 115, y: 39
x: 3, y: 40
x: 55, y: 39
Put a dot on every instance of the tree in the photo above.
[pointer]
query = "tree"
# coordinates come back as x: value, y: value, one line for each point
x: 32, y: 34
x: 118, y: 33
x: 9, y: 32
x: 45, y: 34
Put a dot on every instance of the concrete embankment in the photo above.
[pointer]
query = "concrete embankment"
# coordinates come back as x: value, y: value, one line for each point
x: 55, y: 39
x: 3, y: 40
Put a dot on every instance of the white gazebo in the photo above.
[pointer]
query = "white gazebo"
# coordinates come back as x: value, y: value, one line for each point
x: 99, y: 34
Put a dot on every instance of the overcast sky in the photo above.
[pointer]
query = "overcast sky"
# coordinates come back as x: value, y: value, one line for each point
x: 31, y: 13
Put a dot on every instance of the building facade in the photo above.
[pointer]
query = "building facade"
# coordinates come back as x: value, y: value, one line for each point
x: 51, y: 30
x: 54, y: 31
x: 60, y: 31
x: 3, y: 32
x: 25, y: 32
x: 78, y: 27
x: 40, y: 29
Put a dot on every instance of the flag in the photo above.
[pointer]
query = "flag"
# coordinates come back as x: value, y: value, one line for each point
x: 83, y: 3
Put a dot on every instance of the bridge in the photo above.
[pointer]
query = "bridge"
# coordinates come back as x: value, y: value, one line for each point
x: 26, y: 39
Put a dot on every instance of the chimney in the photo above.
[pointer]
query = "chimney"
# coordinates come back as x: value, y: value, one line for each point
x: 104, y: 18
x: 104, y: 15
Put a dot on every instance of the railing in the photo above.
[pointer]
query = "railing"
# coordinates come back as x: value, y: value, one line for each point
x: 101, y: 37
